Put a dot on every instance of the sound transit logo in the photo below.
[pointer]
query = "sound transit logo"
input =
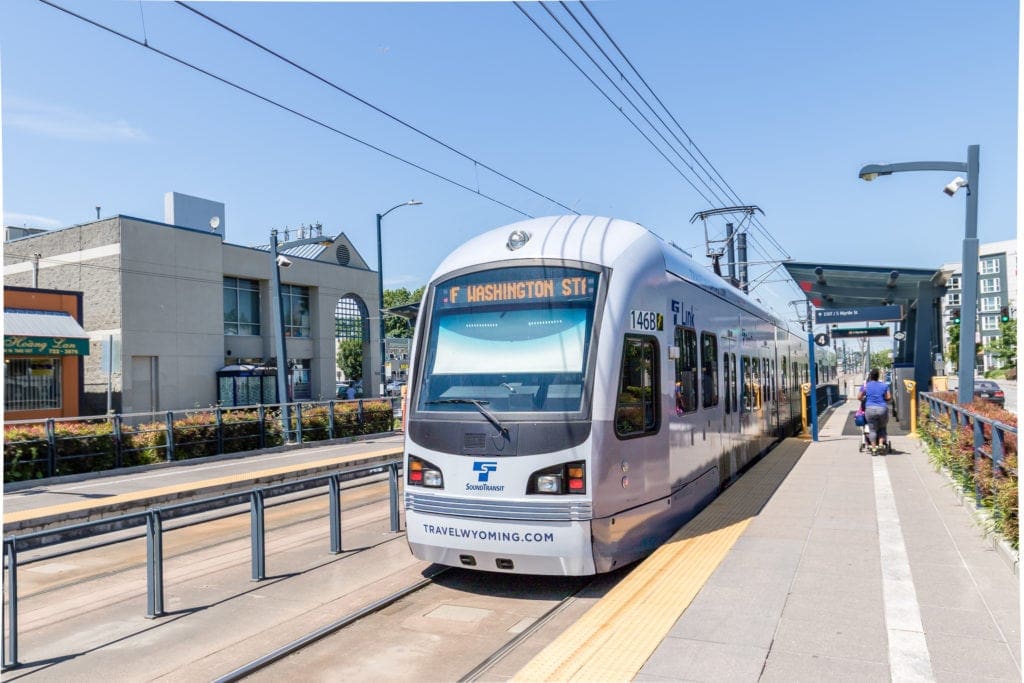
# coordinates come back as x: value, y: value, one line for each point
x: 484, y: 468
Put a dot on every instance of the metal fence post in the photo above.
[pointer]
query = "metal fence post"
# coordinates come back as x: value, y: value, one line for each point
x: 10, y: 655
x: 154, y: 565
x: 170, y: 435
x: 979, y: 440
x: 334, y: 489
x: 118, y: 442
x: 262, y: 415
x: 51, y: 448
x: 298, y: 422
x: 998, y: 449
x: 257, y: 531
x: 359, y: 413
x: 220, y: 430
x: 393, y: 489
x: 330, y: 419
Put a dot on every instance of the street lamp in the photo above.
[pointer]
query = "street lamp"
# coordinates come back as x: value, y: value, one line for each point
x: 380, y: 286
x: 278, y: 261
x: 970, y: 247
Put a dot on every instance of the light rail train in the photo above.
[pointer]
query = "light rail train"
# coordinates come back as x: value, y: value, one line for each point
x: 579, y: 389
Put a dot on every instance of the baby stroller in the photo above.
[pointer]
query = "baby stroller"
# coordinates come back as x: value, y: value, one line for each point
x: 860, y: 420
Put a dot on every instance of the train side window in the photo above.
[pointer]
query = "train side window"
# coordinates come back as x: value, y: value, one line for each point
x: 686, y: 370
x: 636, y: 408
x: 732, y: 387
x: 783, y: 378
x: 709, y: 369
x: 726, y: 378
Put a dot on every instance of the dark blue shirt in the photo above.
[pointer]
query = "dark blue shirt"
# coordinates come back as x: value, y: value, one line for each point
x: 875, y: 394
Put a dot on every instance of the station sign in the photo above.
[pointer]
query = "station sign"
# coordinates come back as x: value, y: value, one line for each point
x: 857, y: 315
x: 849, y: 332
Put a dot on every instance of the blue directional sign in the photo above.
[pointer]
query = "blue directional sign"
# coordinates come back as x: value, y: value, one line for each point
x: 856, y: 315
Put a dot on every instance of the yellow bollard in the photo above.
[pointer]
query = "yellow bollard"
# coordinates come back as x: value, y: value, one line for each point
x: 805, y: 390
x: 911, y: 386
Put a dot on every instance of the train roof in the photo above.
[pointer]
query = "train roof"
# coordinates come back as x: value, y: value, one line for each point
x: 591, y: 239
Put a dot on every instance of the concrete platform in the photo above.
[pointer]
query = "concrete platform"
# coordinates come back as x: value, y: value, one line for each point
x: 852, y: 567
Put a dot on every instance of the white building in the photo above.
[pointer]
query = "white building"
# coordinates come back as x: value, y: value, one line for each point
x: 997, y: 289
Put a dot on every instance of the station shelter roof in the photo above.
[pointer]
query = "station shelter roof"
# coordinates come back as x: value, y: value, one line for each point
x: 830, y: 285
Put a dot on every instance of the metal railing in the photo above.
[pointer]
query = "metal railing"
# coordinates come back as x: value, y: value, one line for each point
x: 35, y: 449
x: 992, y: 448
x: 153, y: 520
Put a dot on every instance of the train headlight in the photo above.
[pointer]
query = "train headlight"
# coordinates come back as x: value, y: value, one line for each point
x: 549, y: 483
x: 570, y: 477
x: 423, y: 473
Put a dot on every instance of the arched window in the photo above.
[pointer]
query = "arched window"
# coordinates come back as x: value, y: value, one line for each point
x: 349, y: 319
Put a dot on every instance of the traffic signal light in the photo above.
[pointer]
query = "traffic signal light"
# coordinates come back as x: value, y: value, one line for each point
x: 955, y: 314
x: 1004, y: 314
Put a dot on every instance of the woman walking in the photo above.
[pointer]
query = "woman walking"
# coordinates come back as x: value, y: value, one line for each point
x: 876, y: 397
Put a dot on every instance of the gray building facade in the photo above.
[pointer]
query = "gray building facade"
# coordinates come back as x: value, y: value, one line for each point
x: 176, y: 304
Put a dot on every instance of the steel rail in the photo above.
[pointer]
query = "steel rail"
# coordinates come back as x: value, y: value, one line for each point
x: 296, y: 645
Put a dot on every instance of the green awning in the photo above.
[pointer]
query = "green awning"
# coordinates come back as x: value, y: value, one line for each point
x: 43, y: 333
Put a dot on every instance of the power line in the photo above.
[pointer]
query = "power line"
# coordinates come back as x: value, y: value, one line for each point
x: 610, y: 100
x: 689, y: 139
x: 284, y: 107
x: 377, y: 109
x: 620, y: 91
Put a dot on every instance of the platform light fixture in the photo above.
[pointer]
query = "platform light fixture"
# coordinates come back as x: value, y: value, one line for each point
x: 970, y: 247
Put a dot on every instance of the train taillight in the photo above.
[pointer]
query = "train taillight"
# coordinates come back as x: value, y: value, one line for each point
x: 569, y: 477
x: 424, y: 473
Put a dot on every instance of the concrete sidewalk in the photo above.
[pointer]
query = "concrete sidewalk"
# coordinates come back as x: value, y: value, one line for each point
x: 858, y: 568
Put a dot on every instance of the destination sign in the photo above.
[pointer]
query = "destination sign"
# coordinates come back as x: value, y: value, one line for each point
x: 857, y: 315
x: 515, y: 285
x: 838, y: 333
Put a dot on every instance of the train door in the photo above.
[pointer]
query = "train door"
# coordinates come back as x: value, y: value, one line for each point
x: 638, y: 415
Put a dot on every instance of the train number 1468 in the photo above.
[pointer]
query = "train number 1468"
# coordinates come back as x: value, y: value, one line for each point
x: 647, y: 321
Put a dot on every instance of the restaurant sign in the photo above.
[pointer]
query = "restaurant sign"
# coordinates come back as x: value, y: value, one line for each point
x: 45, y: 346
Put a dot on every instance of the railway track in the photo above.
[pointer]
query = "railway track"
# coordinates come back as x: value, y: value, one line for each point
x: 452, y: 625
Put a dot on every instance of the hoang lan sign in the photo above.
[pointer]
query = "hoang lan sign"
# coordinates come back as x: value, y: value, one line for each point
x: 45, y: 346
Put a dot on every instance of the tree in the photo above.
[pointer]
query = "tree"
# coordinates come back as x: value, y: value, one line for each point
x: 1004, y: 347
x: 953, y: 352
x: 882, y: 359
x: 397, y: 326
x: 350, y: 358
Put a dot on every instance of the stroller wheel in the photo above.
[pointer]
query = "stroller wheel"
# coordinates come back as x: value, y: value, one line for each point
x: 860, y: 448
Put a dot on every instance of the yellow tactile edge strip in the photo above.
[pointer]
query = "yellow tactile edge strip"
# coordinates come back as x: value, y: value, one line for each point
x: 613, y: 640
x: 165, y: 491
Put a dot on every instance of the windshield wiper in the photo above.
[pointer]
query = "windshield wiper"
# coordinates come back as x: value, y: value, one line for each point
x: 479, y: 406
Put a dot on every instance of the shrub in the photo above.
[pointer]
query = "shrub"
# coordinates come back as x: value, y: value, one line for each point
x: 25, y: 452
x: 953, y: 449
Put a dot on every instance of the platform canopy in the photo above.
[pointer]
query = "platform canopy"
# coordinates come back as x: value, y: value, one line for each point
x: 830, y: 285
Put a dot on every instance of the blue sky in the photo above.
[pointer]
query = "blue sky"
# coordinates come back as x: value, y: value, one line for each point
x: 787, y: 100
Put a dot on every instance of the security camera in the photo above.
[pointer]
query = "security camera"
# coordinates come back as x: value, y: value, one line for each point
x: 284, y: 262
x: 954, y: 185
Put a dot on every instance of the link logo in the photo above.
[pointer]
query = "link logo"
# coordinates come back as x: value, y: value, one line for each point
x: 484, y: 468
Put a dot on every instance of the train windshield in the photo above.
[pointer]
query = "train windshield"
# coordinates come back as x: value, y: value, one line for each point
x: 510, y: 340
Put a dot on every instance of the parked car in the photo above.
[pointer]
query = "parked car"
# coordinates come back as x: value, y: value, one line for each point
x: 987, y: 390
x: 395, y: 388
x: 342, y: 389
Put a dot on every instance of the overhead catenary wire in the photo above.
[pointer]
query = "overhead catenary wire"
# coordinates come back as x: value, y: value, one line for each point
x: 752, y: 243
x: 285, y: 107
x: 668, y: 112
x: 609, y: 98
x: 361, y: 100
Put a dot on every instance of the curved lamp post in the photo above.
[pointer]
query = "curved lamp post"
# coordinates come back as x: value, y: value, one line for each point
x: 965, y: 393
x: 380, y: 287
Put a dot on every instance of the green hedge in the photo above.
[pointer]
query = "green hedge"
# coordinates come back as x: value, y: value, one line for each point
x: 90, y: 447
